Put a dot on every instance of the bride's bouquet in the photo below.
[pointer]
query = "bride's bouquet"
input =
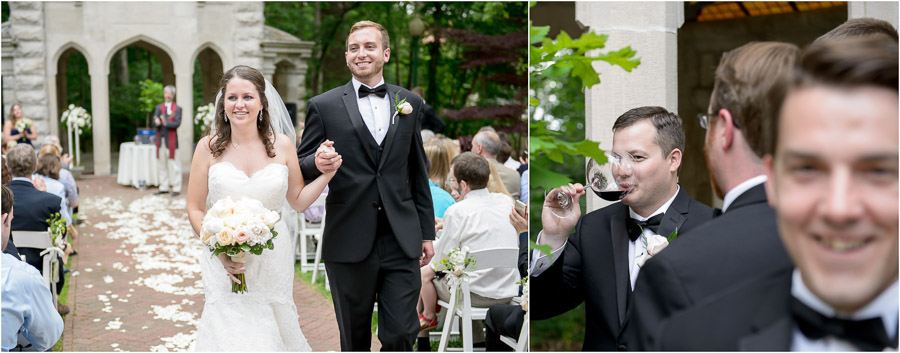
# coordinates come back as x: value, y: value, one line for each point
x: 236, y: 228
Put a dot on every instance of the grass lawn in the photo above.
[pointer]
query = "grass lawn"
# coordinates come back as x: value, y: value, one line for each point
x: 64, y: 300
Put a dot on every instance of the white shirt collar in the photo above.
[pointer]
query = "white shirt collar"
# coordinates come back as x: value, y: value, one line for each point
x: 662, y: 209
x: 23, y: 179
x: 477, y: 193
x: 885, y: 305
x: 739, y: 190
x: 356, y: 83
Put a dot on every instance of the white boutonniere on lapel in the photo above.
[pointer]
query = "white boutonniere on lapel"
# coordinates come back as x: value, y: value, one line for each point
x: 400, y: 107
x: 654, y: 243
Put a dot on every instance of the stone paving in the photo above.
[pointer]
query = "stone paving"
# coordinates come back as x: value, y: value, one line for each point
x: 135, y: 284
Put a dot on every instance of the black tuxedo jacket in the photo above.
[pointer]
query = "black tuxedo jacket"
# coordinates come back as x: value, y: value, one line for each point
x: 393, y: 175
x: 752, y: 316
x: 594, y: 268
x: 741, y: 243
x: 31, y: 209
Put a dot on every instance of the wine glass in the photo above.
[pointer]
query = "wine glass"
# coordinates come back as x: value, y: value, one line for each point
x: 565, y: 202
x: 601, y: 180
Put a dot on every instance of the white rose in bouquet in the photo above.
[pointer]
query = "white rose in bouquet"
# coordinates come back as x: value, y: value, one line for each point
x: 271, y: 218
x: 213, y: 225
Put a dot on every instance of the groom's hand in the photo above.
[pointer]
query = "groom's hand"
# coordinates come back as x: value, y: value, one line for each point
x: 427, y: 252
x: 327, y: 159
x: 556, y: 229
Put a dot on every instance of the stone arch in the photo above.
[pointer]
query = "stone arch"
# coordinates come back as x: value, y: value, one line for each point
x: 59, y: 71
x: 211, y: 60
x: 163, y: 53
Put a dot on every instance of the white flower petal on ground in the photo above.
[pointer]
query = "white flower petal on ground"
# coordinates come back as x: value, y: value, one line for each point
x: 107, y: 279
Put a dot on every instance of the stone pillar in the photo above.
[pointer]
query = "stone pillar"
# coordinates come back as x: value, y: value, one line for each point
x: 29, y: 69
x: 185, y: 98
x: 882, y: 10
x: 650, y: 28
x: 100, y: 114
x: 248, y: 34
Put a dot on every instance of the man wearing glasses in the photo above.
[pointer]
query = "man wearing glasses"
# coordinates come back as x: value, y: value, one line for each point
x: 742, y: 240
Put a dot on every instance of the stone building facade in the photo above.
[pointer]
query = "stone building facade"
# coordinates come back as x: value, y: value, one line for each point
x: 39, y: 38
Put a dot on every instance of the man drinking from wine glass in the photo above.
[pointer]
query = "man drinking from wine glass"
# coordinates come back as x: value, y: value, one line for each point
x: 598, y: 264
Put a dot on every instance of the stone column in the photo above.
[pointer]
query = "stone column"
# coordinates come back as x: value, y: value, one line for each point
x: 185, y: 90
x: 29, y: 68
x: 882, y: 10
x: 248, y: 33
x: 650, y: 28
x: 100, y: 114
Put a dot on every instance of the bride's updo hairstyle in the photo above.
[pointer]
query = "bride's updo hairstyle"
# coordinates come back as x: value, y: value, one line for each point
x: 263, y: 124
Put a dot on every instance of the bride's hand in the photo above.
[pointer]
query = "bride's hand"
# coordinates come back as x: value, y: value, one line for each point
x: 328, y: 158
x: 231, y: 267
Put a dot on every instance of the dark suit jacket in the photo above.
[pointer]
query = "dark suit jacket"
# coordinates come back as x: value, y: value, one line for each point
x: 432, y: 121
x: 31, y: 209
x: 741, y: 243
x: 752, y: 316
x: 172, y: 122
x: 393, y: 175
x: 594, y: 268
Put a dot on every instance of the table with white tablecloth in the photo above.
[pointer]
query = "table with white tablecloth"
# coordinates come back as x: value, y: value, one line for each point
x: 137, y: 165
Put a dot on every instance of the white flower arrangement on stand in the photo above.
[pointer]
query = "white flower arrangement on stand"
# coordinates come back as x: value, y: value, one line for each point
x: 206, y: 115
x: 77, y: 121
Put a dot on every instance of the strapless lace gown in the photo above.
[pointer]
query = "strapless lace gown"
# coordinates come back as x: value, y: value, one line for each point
x: 265, y: 318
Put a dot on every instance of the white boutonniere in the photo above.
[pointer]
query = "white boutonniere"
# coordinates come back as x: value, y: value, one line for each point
x: 654, y: 243
x: 401, y: 107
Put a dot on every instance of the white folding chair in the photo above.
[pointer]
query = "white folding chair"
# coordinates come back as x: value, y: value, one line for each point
x: 520, y: 345
x: 306, y: 232
x: 484, y: 259
x: 319, y: 236
x: 41, y: 240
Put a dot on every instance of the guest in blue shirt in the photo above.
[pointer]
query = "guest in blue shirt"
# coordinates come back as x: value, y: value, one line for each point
x: 439, y: 159
x: 27, y: 305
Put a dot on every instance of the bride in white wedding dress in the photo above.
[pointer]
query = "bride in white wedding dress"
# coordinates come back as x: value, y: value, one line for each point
x: 250, y: 154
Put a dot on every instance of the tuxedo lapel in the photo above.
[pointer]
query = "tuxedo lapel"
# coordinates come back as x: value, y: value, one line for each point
x: 619, y: 236
x: 774, y: 337
x: 394, y: 123
x: 357, y: 121
x: 676, y: 214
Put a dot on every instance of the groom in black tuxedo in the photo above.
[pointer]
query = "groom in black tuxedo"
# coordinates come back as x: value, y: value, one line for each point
x: 381, y: 222
x: 743, y: 241
x: 597, y: 265
x: 833, y: 182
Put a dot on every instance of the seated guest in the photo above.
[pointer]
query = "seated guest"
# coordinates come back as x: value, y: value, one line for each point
x: 27, y: 306
x: 64, y: 158
x: 10, y: 246
x: 314, y: 213
x: 439, y: 161
x: 65, y: 176
x: 507, y: 319
x: 33, y: 207
x: 48, y: 169
x: 487, y: 144
x: 475, y: 222
x: 833, y: 182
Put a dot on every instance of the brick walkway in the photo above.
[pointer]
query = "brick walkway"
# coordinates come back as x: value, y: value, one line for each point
x: 135, y: 284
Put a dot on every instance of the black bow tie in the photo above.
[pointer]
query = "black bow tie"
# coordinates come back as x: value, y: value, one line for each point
x: 379, y: 91
x: 867, y: 335
x: 636, y: 227
x: 717, y: 212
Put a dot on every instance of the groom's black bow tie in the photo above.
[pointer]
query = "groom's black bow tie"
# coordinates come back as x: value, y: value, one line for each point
x: 379, y: 91
x: 636, y: 227
x: 867, y: 335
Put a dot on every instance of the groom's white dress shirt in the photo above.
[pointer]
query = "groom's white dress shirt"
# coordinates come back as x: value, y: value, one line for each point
x: 479, y: 221
x: 541, y: 263
x: 884, y: 306
x: 375, y: 110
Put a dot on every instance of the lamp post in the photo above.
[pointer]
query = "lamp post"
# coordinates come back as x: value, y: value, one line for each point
x: 416, y: 29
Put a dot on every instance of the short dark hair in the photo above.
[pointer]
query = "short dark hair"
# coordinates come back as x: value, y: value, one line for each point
x: 750, y: 83
x: 861, y: 27
x: 846, y: 63
x: 669, y: 132
x: 7, y: 200
x: 21, y: 160
x: 472, y: 168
